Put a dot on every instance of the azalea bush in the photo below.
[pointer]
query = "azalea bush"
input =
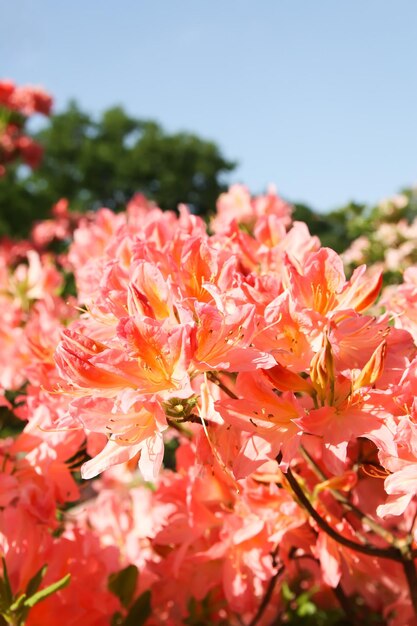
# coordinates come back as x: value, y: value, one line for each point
x: 204, y: 424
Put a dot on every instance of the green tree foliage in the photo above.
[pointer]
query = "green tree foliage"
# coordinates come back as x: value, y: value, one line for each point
x: 340, y: 227
x: 336, y: 229
x: 104, y: 162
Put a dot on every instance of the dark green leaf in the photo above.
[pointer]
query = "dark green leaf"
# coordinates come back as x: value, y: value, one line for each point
x: 123, y: 584
x: 117, y: 619
x: 6, y: 588
x: 35, y: 582
x: 140, y: 611
x: 4, y: 604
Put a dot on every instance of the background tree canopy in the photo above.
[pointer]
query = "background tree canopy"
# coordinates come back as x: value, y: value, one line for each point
x: 104, y: 162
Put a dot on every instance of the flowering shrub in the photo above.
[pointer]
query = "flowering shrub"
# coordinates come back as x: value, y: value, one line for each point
x: 388, y: 236
x: 218, y: 428
x: 16, y: 105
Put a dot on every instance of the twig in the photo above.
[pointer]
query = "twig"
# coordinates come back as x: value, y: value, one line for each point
x: 216, y: 380
x: 269, y: 591
x: 373, y: 525
x: 346, y: 605
x: 411, y: 576
x: 391, y: 552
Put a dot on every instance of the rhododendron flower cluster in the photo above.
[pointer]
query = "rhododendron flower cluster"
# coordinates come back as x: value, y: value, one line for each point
x: 219, y: 423
x: 16, y: 105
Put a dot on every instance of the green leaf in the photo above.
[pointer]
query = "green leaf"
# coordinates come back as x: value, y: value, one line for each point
x: 287, y: 594
x: 123, y: 584
x: 48, y: 591
x: 308, y: 608
x: 140, y: 611
x: 6, y: 590
x: 35, y: 582
x: 4, y: 604
x: 117, y: 619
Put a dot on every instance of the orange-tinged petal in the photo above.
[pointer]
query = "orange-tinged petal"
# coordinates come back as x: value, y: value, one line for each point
x: 373, y: 369
x: 285, y: 380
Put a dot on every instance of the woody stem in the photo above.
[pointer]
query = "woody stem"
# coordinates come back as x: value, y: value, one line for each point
x: 214, y: 378
x: 373, y: 525
x: 411, y: 577
x: 269, y: 591
x: 392, y: 553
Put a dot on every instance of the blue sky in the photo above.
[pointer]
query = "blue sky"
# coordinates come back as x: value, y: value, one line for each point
x: 316, y: 96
